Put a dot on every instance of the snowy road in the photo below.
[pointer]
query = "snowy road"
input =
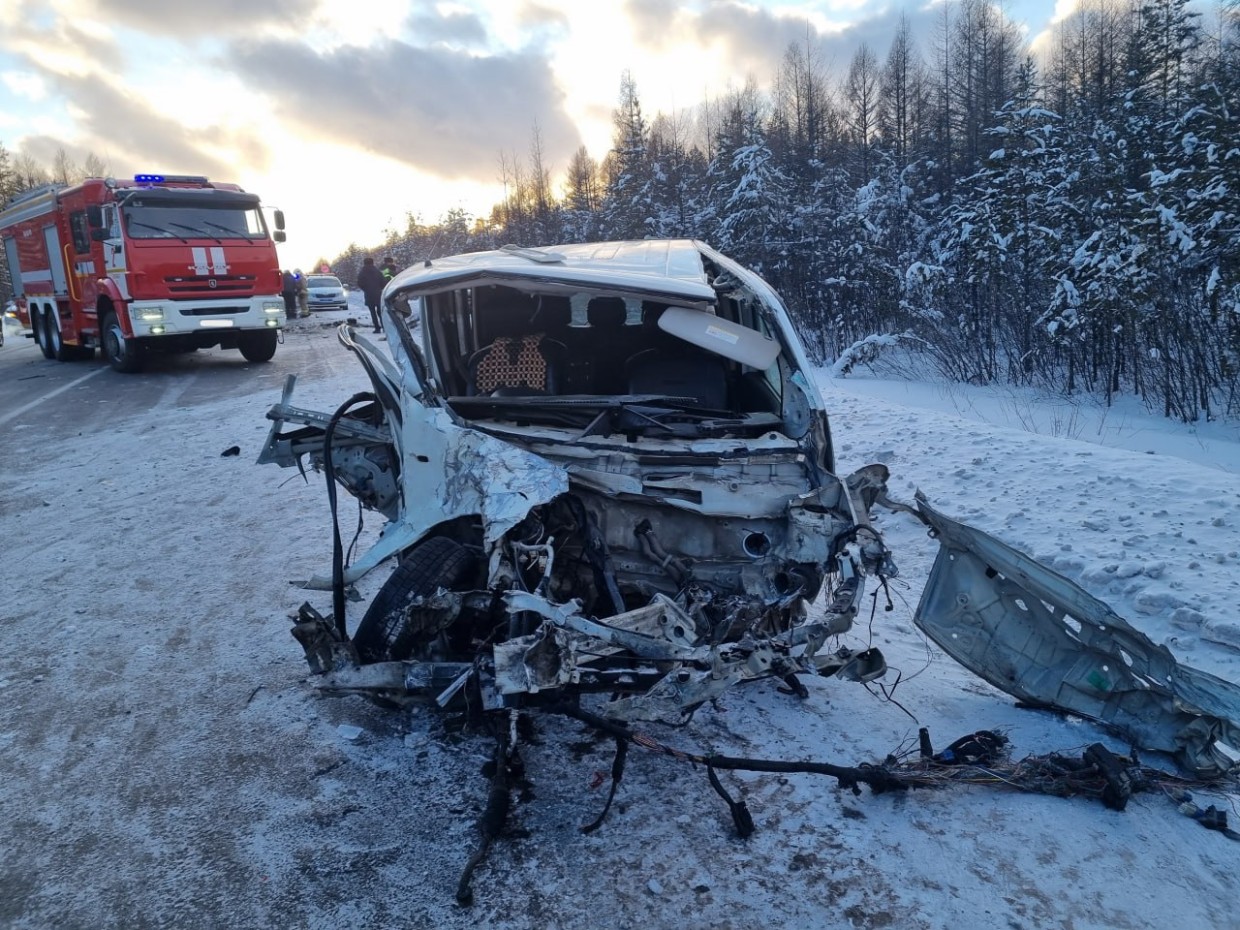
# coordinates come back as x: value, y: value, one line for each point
x: 166, y: 766
x: 87, y: 395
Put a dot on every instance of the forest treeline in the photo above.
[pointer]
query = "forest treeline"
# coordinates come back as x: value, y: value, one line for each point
x: 1074, y: 225
x: 1071, y: 222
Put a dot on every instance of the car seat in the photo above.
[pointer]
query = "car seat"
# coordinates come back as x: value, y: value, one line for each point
x: 516, y: 365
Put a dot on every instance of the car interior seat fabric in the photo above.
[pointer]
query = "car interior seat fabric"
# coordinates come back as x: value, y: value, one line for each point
x: 576, y: 366
x: 516, y: 364
x: 679, y: 374
x: 611, y: 343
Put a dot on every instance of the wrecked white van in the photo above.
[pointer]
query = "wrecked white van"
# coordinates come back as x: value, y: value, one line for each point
x: 588, y: 455
x: 603, y: 468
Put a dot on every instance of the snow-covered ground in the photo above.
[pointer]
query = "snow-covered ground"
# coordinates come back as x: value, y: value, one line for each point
x: 1142, y: 511
x: 166, y: 764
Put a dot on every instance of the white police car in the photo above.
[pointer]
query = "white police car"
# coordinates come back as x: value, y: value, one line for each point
x: 325, y: 292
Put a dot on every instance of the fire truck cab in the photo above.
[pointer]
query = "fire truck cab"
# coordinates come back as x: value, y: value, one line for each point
x: 159, y: 263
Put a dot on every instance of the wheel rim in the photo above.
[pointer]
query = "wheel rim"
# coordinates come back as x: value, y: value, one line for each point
x: 114, y: 343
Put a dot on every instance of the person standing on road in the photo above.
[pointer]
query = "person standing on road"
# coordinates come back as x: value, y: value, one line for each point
x: 388, y: 269
x: 303, y: 294
x: 290, y: 294
x: 372, y: 281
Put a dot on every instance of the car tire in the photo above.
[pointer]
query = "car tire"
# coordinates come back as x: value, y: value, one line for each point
x: 392, y: 630
x: 258, y: 347
x: 51, y: 334
x: 38, y: 325
x: 56, y: 344
x: 59, y: 350
x: 124, y: 355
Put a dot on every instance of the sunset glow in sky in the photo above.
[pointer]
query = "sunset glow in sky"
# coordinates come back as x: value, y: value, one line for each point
x: 349, y: 114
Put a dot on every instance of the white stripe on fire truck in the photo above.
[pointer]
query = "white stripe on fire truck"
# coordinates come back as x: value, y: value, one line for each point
x: 200, y: 260
x: 39, y: 274
x: 217, y: 259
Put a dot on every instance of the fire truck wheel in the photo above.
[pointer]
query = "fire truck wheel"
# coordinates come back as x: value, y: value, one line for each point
x: 38, y: 325
x: 59, y: 349
x: 55, y: 345
x: 124, y: 355
x: 258, y: 347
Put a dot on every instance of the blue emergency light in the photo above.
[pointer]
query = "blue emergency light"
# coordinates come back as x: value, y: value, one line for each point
x: 174, y: 178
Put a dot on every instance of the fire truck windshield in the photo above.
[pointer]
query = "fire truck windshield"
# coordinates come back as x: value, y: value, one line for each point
x: 179, y: 221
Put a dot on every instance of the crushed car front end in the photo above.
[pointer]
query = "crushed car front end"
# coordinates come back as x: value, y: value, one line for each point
x: 576, y: 441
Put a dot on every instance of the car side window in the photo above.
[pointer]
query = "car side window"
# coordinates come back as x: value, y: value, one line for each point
x: 111, y: 221
x: 80, y: 231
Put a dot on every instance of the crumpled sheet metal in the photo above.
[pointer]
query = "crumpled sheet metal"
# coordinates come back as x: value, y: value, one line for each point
x: 1043, y: 639
x: 569, y: 643
x: 450, y: 471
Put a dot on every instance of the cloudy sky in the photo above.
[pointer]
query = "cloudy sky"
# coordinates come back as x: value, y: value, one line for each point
x: 348, y: 114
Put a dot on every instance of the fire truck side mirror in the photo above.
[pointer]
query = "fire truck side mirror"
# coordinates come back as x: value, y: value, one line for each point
x: 99, y: 234
x: 278, y: 235
x: 94, y: 218
x: 279, y: 217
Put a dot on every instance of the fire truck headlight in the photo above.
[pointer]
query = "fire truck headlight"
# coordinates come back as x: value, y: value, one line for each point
x: 273, y: 306
x: 151, y: 313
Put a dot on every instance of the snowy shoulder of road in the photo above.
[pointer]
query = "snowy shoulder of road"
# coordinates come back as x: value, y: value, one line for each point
x: 168, y: 763
x: 1140, y: 510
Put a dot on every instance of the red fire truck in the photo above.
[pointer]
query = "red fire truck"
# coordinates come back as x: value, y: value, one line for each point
x: 166, y: 263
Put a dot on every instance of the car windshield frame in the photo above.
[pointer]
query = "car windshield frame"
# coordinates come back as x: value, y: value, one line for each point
x: 317, y: 280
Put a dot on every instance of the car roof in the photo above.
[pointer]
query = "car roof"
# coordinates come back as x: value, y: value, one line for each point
x: 667, y: 267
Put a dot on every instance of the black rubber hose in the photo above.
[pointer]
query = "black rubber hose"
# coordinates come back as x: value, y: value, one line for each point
x: 337, y: 544
x: 617, y: 772
x: 491, y: 823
